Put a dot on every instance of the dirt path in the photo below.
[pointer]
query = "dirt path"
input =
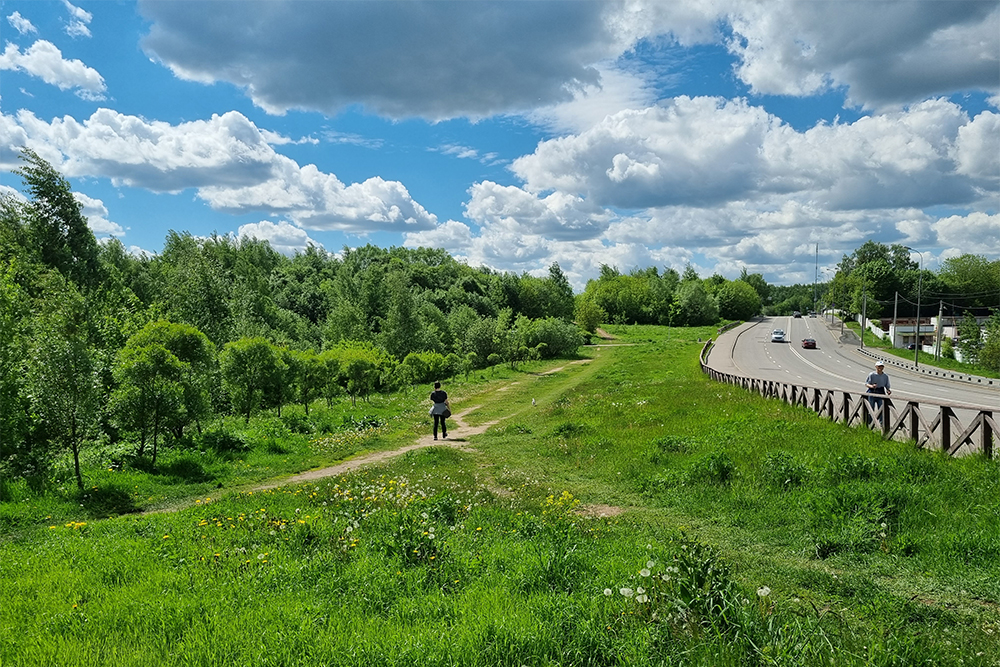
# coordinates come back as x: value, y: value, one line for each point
x: 458, y: 434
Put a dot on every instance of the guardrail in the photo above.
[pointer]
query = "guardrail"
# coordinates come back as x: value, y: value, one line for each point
x: 896, y: 419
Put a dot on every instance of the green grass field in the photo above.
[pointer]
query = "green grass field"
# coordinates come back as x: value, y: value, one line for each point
x: 636, y: 514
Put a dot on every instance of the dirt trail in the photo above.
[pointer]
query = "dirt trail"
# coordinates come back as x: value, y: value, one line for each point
x: 458, y: 433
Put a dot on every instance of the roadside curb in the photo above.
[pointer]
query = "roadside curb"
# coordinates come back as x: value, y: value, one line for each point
x: 934, y: 372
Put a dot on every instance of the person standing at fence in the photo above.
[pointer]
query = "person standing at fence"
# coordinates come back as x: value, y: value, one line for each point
x: 878, y: 383
x: 441, y: 410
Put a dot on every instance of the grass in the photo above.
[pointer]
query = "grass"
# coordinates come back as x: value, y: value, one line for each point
x: 749, y: 533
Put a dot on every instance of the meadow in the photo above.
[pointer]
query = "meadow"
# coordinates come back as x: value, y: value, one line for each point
x: 621, y: 509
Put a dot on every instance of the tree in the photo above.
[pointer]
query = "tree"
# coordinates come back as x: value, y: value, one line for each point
x: 57, y: 228
x: 306, y: 371
x: 737, y: 301
x: 588, y: 314
x: 560, y: 294
x: 251, y: 368
x: 989, y: 356
x: 973, y: 277
x: 62, y: 373
x: 693, y: 306
x: 756, y: 281
x: 13, y: 406
x: 196, y: 353
x: 197, y: 289
x: 149, y: 397
x: 970, y: 339
x: 360, y: 374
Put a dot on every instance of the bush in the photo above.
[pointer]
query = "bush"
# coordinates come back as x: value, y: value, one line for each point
x: 553, y: 338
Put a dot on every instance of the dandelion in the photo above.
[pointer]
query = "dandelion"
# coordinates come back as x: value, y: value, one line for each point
x: 641, y: 599
x: 650, y: 563
x: 608, y: 592
x: 763, y: 591
x: 166, y: 537
x: 627, y: 592
x: 644, y: 572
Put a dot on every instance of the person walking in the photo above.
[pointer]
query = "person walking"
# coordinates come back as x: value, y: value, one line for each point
x: 877, y: 383
x: 441, y: 410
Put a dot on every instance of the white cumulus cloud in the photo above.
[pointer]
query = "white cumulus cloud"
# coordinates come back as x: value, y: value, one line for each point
x: 79, y: 20
x: 43, y: 60
x: 21, y: 24
x: 226, y: 158
x: 283, y: 237
x: 97, y: 216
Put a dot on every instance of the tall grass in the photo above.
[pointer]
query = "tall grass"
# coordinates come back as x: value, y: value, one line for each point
x: 752, y: 533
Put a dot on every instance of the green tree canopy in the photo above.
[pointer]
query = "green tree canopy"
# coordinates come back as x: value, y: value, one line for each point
x: 737, y: 300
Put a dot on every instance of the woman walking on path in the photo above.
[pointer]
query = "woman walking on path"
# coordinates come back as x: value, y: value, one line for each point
x: 441, y: 410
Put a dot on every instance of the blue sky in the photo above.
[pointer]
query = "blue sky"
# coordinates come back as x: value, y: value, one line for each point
x: 721, y: 133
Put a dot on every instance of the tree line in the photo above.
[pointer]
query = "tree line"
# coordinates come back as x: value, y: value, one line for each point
x: 646, y: 296
x: 883, y: 280
x: 96, y: 343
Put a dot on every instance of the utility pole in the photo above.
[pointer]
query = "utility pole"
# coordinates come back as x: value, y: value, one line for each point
x: 940, y: 325
x: 864, y: 314
x: 815, y: 277
x: 895, y: 308
x: 920, y: 282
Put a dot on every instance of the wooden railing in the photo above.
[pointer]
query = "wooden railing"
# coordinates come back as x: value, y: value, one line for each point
x: 897, y: 419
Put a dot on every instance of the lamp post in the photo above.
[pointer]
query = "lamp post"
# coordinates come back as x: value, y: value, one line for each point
x: 920, y: 280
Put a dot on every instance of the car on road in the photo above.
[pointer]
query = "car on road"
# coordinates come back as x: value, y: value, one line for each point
x: 778, y: 336
x: 796, y: 314
x: 809, y: 343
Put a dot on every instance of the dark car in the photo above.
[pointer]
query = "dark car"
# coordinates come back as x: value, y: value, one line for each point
x: 809, y: 343
x: 796, y: 314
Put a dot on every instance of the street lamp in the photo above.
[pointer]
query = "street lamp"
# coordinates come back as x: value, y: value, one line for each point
x: 920, y: 280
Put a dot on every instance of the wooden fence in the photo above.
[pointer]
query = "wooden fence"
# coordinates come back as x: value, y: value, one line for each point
x: 896, y: 419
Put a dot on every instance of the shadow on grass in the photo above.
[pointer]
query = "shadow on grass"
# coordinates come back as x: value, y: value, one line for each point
x: 184, y: 471
x: 107, y: 501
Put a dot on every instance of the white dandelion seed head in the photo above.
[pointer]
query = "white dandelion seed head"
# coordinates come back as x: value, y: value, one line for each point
x: 763, y: 591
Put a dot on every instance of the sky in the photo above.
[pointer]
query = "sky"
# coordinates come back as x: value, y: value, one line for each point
x: 773, y: 136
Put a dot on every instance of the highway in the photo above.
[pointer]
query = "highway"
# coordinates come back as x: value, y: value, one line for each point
x: 748, y: 350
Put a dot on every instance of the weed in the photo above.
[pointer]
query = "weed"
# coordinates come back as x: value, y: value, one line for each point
x: 782, y: 471
x: 667, y: 445
x: 713, y: 468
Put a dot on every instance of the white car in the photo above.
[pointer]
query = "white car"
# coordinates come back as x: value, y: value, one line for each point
x: 778, y: 336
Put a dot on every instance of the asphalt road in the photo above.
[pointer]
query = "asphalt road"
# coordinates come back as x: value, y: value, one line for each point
x: 834, y: 364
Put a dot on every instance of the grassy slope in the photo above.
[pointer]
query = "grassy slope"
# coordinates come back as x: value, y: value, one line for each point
x: 886, y: 554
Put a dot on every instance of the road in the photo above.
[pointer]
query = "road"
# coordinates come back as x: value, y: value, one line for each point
x: 748, y: 350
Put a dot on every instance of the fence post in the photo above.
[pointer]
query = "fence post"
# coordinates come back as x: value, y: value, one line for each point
x: 987, y: 442
x: 946, y: 415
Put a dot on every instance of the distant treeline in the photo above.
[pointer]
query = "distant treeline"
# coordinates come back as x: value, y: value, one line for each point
x: 96, y: 343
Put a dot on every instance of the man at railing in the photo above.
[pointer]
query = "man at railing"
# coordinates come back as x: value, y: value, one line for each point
x: 877, y: 383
